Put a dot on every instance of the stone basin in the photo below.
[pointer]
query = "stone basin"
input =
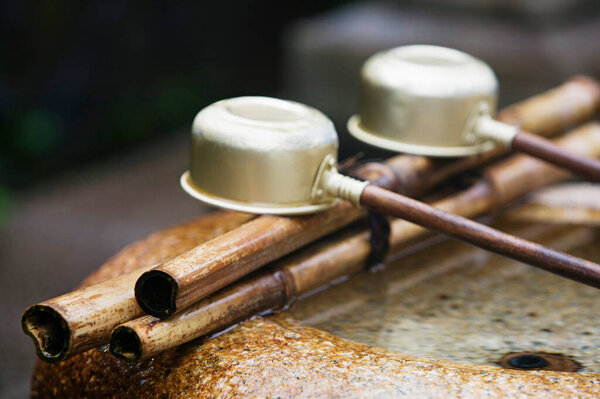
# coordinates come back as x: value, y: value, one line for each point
x: 434, y: 323
x: 457, y: 303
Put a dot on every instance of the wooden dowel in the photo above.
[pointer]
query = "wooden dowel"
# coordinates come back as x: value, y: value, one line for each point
x: 83, y: 319
x: 542, y: 148
x: 192, y: 276
x: 547, y: 113
x: 338, y: 256
x: 493, y: 240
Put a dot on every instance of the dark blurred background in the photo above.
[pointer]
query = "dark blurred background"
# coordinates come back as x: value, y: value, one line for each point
x: 96, y: 98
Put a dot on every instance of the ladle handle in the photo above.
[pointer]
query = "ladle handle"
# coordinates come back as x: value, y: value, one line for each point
x: 482, y: 236
x: 542, y: 148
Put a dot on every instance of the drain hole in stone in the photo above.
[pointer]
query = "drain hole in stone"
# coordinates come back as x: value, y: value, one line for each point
x: 528, y: 362
x: 539, y: 361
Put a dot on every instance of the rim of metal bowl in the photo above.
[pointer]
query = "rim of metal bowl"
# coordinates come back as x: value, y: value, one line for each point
x: 251, y: 207
x: 356, y: 130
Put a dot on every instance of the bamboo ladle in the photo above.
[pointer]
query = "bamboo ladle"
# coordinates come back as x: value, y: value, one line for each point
x: 265, y: 155
x: 437, y: 101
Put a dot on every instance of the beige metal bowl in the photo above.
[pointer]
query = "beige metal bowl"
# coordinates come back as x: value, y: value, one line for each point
x: 419, y: 99
x: 260, y: 155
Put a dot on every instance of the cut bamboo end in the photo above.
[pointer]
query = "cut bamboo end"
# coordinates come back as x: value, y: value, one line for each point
x: 49, y: 331
x: 156, y: 293
x: 126, y: 344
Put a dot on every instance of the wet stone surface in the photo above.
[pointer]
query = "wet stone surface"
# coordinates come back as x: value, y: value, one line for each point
x: 276, y: 357
x: 457, y: 303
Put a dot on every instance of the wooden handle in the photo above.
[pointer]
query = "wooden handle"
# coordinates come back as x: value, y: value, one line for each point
x: 482, y: 236
x: 541, y: 148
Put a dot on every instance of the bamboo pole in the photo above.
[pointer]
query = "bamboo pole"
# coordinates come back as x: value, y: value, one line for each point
x: 336, y: 257
x: 83, y: 319
x: 186, y: 279
x: 571, y: 203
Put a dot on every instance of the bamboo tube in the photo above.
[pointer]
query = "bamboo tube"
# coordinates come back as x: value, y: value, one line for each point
x: 571, y: 203
x: 578, y: 98
x: 184, y: 280
x: 336, y: 257
x: 81, y: 320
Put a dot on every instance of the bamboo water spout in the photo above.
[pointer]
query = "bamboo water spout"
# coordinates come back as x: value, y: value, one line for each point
x: 336, y: 257
x: 70, y: 315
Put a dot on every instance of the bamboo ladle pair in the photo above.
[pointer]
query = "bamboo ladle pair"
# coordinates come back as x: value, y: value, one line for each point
x: 270, y: 156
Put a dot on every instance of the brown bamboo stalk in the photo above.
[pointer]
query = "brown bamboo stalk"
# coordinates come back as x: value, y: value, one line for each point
x: 186, y: 279
x: 336, y: 257
x: 83, y: 319
x: 578, y: 98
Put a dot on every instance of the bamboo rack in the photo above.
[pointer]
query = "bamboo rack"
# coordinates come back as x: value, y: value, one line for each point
x: 186, y: 279
x: 336, y: 257
x: 83, y: 319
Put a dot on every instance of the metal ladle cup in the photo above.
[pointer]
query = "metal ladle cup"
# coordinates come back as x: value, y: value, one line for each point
x: 420, y: 99
x: 437, y: 101
x: 266, y: 155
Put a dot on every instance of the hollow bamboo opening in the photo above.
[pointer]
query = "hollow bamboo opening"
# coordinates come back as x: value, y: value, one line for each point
x: 125, y: 344
x: 49, y: 331
x: 156, y: 292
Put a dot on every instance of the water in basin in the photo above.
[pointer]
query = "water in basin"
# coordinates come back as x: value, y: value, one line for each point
x: 451, y: 301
